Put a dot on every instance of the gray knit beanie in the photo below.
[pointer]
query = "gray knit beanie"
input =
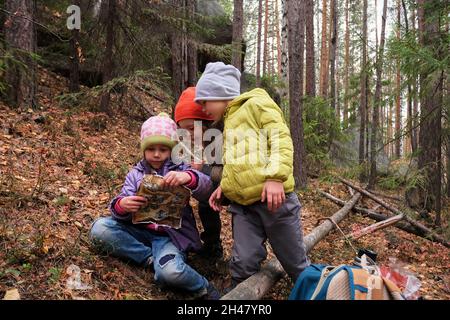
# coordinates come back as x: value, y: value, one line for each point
x: 218, y: 82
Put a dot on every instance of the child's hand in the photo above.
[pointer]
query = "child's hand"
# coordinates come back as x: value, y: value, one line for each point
x: 176, y: 178
x: 216, y: 199
x: 273, y: 192
x: 132, y: 203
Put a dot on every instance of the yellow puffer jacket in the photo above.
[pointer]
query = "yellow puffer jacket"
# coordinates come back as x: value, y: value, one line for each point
x: 250, y: 156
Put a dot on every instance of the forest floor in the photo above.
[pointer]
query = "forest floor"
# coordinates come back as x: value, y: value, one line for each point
x: 61, y: 166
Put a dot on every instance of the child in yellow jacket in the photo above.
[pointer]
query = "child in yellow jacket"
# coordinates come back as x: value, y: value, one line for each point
x: 257, y: 175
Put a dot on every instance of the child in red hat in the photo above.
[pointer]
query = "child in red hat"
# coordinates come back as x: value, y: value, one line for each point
x: 187, y: 112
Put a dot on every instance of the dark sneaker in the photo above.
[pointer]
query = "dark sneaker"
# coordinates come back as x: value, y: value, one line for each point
x: 212, y: 251
x: 208, y: 293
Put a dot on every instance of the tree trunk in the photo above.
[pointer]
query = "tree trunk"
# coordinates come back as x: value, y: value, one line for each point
x: 192, y: 53
x: 376, y: 226
x: 337, y: 71
x: 279, y: 53
x: 20, y: 37
x: 284, y: 44
x: 324, y: 52
x: 363, y: 94
x: 431, y: 83
x: 409, y: 110
x: 415, y: 110
x: 296, y: 27
x: 346, y: 63
x: 74, y: 58
x: 398, y: 107
x: 179, y: 53
x: 377, y: 103
x: 447, y: 103
x: 392, y: 130
x: 238, y: 24
x: 258, y: 45
x: 332, y: 64
x: 108, y: 65
x: 367, y: 123
x: 266, y: 31
x: 310, y: 59
x: 255, y: 287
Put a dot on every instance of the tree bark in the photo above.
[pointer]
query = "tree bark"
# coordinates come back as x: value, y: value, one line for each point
x: 266, y: 32
x: 179, y: 53
x: 310, y: 59
x: 238, y: 24
x: 192, y: 53
x: 415, y: 110
x: 256, y: 286
x: 332, y: 46
x: 431, y: 83
x: 376, y: 226
x: 377, y: 103
x: 284, y: 46
x: 108, y: 64
x: 20, y: 37
x: 363, y: 95
x: 74, y: 59
x: 296, y: 27
x: 323, y: 84
x: 258, y: 45
x: 398, y: 107
x: 277, y: 26
x: 346, y: 63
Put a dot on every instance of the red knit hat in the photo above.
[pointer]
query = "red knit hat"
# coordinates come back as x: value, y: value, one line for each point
x: 187, y: 108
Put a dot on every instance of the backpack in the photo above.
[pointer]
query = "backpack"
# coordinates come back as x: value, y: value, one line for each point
x: 343, y: 282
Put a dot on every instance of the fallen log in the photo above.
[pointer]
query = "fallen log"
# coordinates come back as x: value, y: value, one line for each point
x: 429, y: 233
x: 385, y: 196
x: 375, y: 215
x: 256, y: 286
x: 376, y: 226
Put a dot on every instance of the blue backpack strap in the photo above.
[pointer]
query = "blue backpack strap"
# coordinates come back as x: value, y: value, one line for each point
x: 306, y: 283
x: 314, y: 281
x: 322, y: 294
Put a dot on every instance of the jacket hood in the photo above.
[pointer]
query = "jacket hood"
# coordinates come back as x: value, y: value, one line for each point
x: 257, y: 93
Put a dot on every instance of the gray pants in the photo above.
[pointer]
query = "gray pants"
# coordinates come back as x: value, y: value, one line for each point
x: 254, y: 224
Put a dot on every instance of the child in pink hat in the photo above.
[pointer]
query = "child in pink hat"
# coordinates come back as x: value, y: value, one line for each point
x: 162, y: 247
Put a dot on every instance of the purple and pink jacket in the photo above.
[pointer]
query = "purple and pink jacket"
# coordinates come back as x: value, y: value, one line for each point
x: 186, y: 238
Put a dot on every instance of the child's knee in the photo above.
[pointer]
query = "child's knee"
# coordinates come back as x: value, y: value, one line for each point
x: 101, y: 230
x: 170, y: 269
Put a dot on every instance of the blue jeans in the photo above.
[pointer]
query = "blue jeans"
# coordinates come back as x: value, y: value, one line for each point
x: 141, y: 246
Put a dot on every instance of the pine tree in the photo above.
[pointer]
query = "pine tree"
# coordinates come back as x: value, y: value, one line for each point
x: 363, y: 95
x: 108, y: 60
x: 431, y: 85
x: 377, y: 102
x: 238, y: 25
x: 20, y: 37
x: 296, y: 26
x: 310, y: 59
